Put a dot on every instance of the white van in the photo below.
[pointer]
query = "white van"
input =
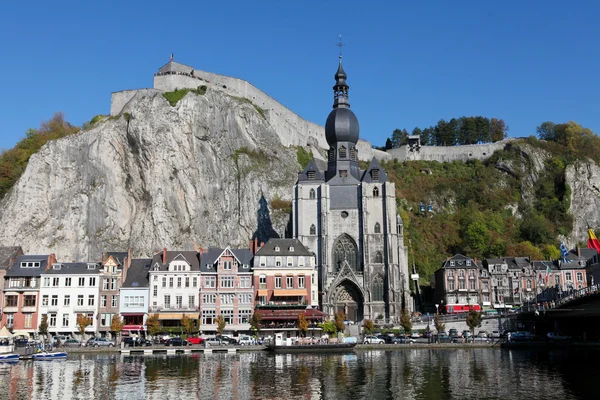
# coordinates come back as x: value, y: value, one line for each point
x: 246, y: 340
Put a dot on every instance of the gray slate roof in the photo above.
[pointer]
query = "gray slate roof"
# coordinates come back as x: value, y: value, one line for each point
x: 368, y: 176
x: 312, y: 167
x: 459, y: 258
x: 284, y: 244
x: 137, y: 274
x: 76, y: 268
x: 173, y: 66
x: 210, y: 257
x: 7, y: 253
x: 190, y: 256
x: 16, y: 270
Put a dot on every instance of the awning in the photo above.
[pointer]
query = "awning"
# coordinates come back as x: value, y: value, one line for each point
x: 263, y: 292
x: 291, y: 315
x: 21, y: 332
x: 177, y: 315
x: 289, y: 292
x: 133, y: 328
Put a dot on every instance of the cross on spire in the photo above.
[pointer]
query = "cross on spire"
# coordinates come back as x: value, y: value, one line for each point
x: 340, y: 45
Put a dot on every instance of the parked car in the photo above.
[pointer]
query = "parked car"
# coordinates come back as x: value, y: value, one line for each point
x: 495, y: 335
x: 415, y: 335
x: 386, y: 339
x: 135, y: 342
x: 176, y: 341
x: 373, y: 340
x: 453, y: 333
x: 228, y: 339
x: 62, y: 339
x: 520, y: 336
x: 482, y: 334
x: 247, y: 340
x: 555, y: 336
x: 71, y: 343
x: 214, y: 341
x: 196, y: 340
x: 441, y: 338
x: 98, y: 342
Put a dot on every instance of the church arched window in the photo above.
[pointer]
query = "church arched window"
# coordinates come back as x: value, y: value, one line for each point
x: 342, y: 152
x: 313, y: 229
x: 375, y: 191
x: 377, y: 288
x: 378, y: 259
x: 311, y: 194
x: 345, y: 250
x: 377, y: 227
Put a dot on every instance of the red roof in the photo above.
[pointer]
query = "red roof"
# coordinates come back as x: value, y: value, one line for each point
x: 279, y: 314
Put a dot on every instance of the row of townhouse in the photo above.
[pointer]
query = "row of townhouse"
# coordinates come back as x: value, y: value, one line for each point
x: 279, y: 280
x: 463, y: 283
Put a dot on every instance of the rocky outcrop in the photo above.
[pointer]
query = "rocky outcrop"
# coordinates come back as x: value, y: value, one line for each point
x: 584, y: 180
x: 157, y: 176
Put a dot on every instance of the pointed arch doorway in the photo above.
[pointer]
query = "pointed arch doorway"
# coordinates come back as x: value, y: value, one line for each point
x: 349, y: 300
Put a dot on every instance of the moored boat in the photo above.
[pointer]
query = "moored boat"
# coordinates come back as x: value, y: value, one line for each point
x: 11, y: 357
x: 49, y: 355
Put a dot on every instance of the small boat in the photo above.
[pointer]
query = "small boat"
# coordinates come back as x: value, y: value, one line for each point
x: 9, y: 357
x: 311, y: 348
x: 56, y: 355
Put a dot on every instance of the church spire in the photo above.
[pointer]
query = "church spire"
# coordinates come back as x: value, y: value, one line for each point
x: 340, y: 89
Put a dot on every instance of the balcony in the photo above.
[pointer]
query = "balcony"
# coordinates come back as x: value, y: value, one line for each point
x: 11, y: 309
x: 30, y: 309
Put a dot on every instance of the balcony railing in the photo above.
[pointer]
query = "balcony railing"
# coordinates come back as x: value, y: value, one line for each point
x: 172, y: 308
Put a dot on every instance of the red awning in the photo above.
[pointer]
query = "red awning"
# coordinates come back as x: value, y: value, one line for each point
x: 133, y: 328
x: 270, y: 315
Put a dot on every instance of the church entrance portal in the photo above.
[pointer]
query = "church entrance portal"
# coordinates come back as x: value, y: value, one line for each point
x: 348, y: 300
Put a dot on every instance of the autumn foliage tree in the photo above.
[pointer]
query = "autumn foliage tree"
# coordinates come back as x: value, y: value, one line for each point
x: 43, y: 328
x: 339, y: 318
x: 221, y: 324
x: 187, y: 324
x: 302, y: 324
x: 368, y: 326
x: 153, y: 324
x: 116, y: 325
x: 83, y: 321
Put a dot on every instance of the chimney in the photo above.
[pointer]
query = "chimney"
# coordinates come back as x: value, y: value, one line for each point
x: 578, y: 251
x: 164, y: 257
x: 129, y: 257
x: 262, y: 244
x: 255, y: 244
x: 251, y: 246
x: 126, y: 265
x: 51, y: 260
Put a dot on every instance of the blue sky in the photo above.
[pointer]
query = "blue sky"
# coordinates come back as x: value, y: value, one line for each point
x: 408, y: 64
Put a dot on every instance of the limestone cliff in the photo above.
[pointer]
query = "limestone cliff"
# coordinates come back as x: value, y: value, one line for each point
x: 156, y: 176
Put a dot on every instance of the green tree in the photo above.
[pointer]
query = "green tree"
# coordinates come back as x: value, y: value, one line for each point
x: 368, y: 326
x: 83, y: 321
x: 406, y: 322
x: 256, y: 322
x: 388, y: 144
x: 328, y: 327
x: 303, y: 156
x: 221, y: 324
x: 498, y: 129
x: 153, y: 324
x: 116, y: 325
x: 399, y: 137
x: 473, y: 320
x: 43, y: 328
x: 302, y: 324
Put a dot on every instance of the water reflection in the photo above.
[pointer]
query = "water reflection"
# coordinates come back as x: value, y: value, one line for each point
x: 406, y: 374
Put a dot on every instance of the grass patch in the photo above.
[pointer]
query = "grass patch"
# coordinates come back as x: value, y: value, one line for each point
x: 258, y: 109
x: 303, y: 156
x: 178, y: 94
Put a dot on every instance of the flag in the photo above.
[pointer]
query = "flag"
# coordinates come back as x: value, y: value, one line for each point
x: 548, y: 271
x: 564, y: 252
x: 593, y: 242
x: 172, y: 56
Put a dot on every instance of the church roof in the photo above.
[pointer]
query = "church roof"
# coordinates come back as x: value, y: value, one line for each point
x: 311, y: 167
x: 370, y: 177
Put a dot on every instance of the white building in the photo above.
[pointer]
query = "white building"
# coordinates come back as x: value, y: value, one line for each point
x: 69, y: 289
x: 134, y: 295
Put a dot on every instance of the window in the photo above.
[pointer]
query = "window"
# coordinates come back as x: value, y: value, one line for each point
x: 187, y: 281
x: 208, y: 317
x: 10, y: 319
x: 113, y: 284
x: 226, y: 298
x: 375, y: 191
x: 155, y: 291
x: 290, y: 261
x: 81, y: 282
x: 105, y: 284
x: 67, y: 281
x: 226, y: 282
x: 178, y: 281
x: 263, y: 261
x: 67, y: 300
x: 451, y: 284
x: 210, y: 282
x: 262, y: 282
x: 468, y: 263
x: 29, y: 301
x: 103, y: 301
x: 301, y: 282
x: 528, y: 284
x: 245, y: 298
x: 92, y: 281
x: 278, y: 261
x: 378, y: 288
x: 106, y: 319
x: 54, y: 301
x: 44, y: 300
x: 245, y: 282
x: 277, y: 248
x: 209, y: 298
x: 115, y: 301
x: 289, y: 282
x: 227, y: 316
x: 167, y: 301
x: 79, y: 300
x: 91, y: 300
x: 331, y: 154
x: 46, y: 282
x: 461, y: 284
x: 171, y: 279
x: 278, y: 282
x: 343, y: 173
x: 353, y: 153
x: 579, y: 276
x: 471, y: 284
x: 55, y: 282
x: 301, y: 261
x: 342, y: 152
x: 310, y: 175
x: 195, y: 281
x: 245, y: 316
x: 375, y: 174
x: 65, y: 322
x: 191, y: 301
x: 28, y: 318
x: 557, y: 279
x: 178, y: 301
x: 378, y: 257
x: 377, y: 228
x: 313, y: 229
x: 164, y: 281
x: 452, y: 263
x: 227, y: 265
x: 568, y: 276
x: 52, y: 320
x: 311, y: 194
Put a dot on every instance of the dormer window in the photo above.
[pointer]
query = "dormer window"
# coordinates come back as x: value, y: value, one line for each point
x: 91, y: 266
x: 56, y: 266
x: 342, y: 152
x: 375, y: 174
x: 291, y: 248
x: 468, y: 263
x: 310, y: 175
x: 343, y: 173
x: 276, y: 248
x: 452, y: 263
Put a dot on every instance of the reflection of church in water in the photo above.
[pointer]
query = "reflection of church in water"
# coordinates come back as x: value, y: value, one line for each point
x: 348, y: 217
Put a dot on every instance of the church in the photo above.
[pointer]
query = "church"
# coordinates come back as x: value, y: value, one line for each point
x: 347, y: 216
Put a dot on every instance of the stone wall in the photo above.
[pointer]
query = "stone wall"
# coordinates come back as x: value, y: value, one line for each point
x: 120, y: 99
x: 447, y: 153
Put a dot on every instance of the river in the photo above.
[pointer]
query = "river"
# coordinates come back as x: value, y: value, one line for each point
x: 375, y: 374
